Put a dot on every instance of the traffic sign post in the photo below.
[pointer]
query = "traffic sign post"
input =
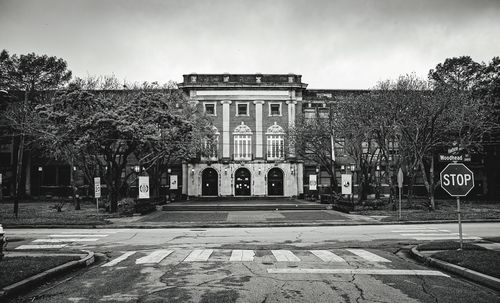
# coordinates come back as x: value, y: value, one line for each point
x: 400, y: 186
x: 97, y: 192
x: 457, y: 180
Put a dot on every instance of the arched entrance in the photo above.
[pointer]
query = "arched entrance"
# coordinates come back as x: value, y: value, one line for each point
x: 242, y: 183
x: 210, y: 182
x: 275, y: 182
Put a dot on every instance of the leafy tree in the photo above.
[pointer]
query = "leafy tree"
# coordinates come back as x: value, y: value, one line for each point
x: 103, y: 130
x: 32, y: 74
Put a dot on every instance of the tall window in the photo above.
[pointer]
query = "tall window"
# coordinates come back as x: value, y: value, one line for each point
x: 212, y: 146
x: 275, y: 142
x: 242, y: 142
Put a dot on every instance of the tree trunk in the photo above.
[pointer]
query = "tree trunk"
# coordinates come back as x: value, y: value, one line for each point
x: 426, y: 183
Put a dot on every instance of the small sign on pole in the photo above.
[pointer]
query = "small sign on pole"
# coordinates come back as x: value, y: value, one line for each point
x: 144, y: 187
x: 173, y: 182
x: 457, y: 180
x: 346, y: 184
x: 400, y: 187
x: 97, y: 191
x: 313, y: 183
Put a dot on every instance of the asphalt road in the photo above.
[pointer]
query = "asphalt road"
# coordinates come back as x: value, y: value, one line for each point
x: 289, y: 264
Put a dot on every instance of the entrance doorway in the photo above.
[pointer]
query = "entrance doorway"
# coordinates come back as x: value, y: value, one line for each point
x: 210, y: 182
x: 275, y: 182
x: 242, y: 182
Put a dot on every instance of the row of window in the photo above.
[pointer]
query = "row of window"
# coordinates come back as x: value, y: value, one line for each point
x: 242, y: 109
x: 242, y: 149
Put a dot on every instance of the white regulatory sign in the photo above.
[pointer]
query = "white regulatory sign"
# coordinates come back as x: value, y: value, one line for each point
x: 97, y: 187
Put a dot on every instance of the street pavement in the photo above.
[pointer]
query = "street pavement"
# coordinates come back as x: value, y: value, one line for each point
x: 277, y: 264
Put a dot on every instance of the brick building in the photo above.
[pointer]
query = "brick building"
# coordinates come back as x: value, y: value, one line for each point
x: 251, y: 113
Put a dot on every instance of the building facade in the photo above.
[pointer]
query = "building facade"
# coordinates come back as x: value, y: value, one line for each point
x: 250, y: 155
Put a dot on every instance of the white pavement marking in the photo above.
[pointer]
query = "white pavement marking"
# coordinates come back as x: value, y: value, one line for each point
x: 327, y: 256
x: 49, y: 246
x: 443, y: 237
x: 413, y: 230
x: 119, y: 259
x: 198, y: 255
x: 367, y: 255
x: 154, y: 257
x: 430, y: 235
x: 66, y: 240
x: 78, y: 236
x: 242, y: 255
x: 354, y: 271
x: 285, y: 256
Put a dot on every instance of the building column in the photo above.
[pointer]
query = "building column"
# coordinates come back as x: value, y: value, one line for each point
x: 291, y: 123
x: 259, y: 146
x: 226, y: 153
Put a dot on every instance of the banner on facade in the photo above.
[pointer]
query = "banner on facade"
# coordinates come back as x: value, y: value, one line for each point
x: 313, y: 182
x: 173, y: 182
x: 346, y: 184
x: 144, y: 187
x: 97, y: 187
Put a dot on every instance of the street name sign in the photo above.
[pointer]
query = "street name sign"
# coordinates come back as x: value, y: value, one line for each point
x: 457, y: 180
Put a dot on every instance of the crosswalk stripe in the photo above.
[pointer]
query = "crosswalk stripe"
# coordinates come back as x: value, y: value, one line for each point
x: 66, y: 240
x: 119, y: 259
x: 285, y: 256
x: 327, y: 256
x: 367, y: 255
x: 78, y: 236
x: 242, y: 255
x: 199, y: 255
x: 48, y: 246
x: 356, y: 271
x: 154, y: 257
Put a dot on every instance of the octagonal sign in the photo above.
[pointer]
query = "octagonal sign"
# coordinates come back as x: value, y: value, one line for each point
x: 457, y: 180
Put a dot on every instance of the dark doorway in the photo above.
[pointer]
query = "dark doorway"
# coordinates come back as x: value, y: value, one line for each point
x: 275, y: 182
x: 210, y: 182
x: 242, y: 183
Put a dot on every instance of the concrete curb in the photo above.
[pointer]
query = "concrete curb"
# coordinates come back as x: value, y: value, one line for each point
x: 44, y: 276
x: 470, y: 274
x: 224, y: 224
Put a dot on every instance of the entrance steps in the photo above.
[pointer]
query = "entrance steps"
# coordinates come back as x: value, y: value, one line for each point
x: 242, y: 204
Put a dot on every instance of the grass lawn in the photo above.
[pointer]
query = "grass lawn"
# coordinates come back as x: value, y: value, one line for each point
x: 446, y: 210
x: 483, y: 261
x: 15, y: 269
x: 43, y: 212
x: 448, y: 245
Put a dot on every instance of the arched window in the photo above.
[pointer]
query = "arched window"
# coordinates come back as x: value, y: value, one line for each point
x: 275, y: 142
x: 242, y: 142
x: 212, y: 145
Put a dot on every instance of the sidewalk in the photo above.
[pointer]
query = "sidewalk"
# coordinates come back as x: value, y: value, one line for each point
x: 242, y: 218
x: 477, y: 262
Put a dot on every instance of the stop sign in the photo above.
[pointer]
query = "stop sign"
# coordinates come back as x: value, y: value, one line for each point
x: 457, y: 180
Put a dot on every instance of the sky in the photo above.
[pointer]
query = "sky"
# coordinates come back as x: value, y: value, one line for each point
x: 349, y: 44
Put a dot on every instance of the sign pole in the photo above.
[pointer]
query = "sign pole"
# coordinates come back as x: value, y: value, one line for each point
x: 399, y: 211
x: 97, y: 205
x: 459, y: 223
